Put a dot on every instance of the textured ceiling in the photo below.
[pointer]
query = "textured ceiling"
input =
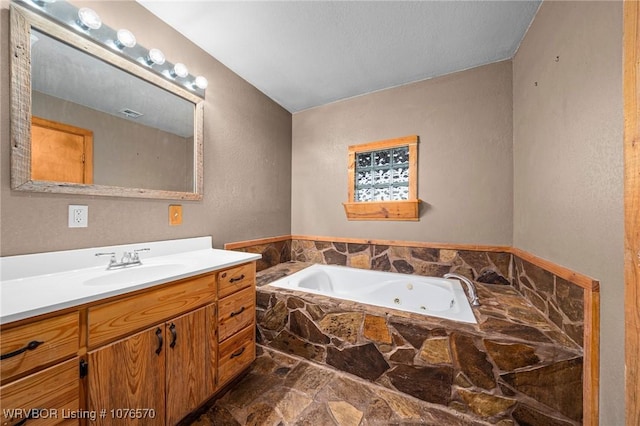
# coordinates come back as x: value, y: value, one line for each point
x: 304, y: 54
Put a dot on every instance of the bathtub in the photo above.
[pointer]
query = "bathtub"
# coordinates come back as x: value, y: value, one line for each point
x: 437, y: 297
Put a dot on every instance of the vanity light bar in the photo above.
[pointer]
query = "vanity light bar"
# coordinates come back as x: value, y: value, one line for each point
x: 87, y: 22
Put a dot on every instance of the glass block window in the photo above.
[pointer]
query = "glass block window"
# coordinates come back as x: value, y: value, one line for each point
x: 382, y: 175
x: 383, y: 180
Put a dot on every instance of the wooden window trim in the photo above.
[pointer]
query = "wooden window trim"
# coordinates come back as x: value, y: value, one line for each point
x: 384, y: 210
x: 631, y: 98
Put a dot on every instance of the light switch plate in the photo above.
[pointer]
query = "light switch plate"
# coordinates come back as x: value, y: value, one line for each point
x: 78, y: 216
x: 175, y: 214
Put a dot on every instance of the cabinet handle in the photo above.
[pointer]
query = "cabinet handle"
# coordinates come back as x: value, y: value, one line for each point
x: 174, y: 335
x: 240, y: 278
x: 23, y: 421
x: 238, y: 312
x: 29, y: 347
x: 159, y: 334
x: 237, y: 353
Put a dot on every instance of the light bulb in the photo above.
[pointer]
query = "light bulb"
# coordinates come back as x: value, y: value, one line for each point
x: 201, y: 82
x: 89, y: 19
x: 179, y: 70
x: 125, y: 38
x: 155, y: 56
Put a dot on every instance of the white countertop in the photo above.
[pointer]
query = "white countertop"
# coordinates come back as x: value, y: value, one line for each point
x: 46, y: 284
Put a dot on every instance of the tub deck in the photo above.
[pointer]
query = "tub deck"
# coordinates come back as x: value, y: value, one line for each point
x: 514, y: 365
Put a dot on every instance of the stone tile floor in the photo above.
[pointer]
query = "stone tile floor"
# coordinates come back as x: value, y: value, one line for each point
x: 283, y: 390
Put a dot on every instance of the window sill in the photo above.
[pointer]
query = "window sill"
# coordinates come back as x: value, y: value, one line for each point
x: 383, y: 210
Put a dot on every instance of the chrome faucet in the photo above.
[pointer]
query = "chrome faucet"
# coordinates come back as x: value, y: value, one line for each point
x: 473, y: 295
x: 128, y: 259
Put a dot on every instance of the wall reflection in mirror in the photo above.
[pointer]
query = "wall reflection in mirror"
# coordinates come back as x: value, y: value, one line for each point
x: 142, y: 134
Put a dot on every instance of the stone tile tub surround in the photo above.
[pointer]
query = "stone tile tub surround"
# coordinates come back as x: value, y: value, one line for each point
x: 514, y: 366
x: 559, y: 299
x: 557, y: 292
x: 273, y: 250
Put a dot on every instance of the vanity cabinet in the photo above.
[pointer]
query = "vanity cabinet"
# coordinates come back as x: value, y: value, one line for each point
x: 39, y: 371
x: 236, y: 321
x: 148, y: 357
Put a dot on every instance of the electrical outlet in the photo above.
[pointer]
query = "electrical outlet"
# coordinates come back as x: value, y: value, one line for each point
x: 78, y: 216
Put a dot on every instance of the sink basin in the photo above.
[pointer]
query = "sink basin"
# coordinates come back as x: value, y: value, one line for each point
x: 135, y: 274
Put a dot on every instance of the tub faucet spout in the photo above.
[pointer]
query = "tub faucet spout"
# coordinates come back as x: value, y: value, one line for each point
x: 473, y: 295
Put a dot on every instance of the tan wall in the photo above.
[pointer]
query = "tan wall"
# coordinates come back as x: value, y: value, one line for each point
x: 568, y: 161
x: 465, y: 158
x: 243, y: 130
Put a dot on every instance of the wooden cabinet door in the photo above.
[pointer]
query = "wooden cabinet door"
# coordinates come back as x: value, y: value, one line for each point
x: 129, y: 374
x: 188, y: 353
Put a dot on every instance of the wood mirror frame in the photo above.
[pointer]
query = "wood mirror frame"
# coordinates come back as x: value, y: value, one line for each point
x: 22, y: 20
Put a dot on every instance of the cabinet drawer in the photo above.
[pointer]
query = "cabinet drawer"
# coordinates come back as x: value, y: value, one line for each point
x: 115, y: 319
x: 236, y: 353
x: 59, y: 336
x: 55, y: 391
x: 235, y: 279
x: 236, y: 312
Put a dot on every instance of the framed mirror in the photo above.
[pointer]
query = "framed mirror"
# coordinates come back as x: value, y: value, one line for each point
x: 87, y: 120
